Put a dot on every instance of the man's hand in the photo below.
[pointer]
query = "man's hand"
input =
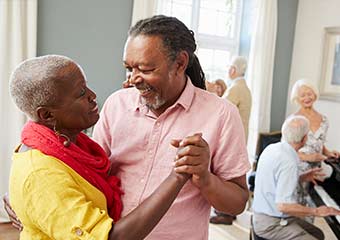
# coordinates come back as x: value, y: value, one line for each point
x: 193, y: 157
x: 325, y: 211
x: 11, y: 214
x: 312, y: 175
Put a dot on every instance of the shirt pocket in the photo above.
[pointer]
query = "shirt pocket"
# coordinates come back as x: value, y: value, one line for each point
x: 79, y: 233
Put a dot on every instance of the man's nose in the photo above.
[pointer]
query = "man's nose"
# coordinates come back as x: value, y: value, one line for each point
x: 134, y: 77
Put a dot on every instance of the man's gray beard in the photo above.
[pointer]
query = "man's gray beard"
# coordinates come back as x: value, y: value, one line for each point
x: 157, y: 104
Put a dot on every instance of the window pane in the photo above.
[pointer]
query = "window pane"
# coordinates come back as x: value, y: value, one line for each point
x: 217, y: 17
x: 214, y: 63
x: 180, y: 9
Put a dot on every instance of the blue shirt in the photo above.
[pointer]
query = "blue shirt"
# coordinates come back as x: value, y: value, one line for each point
x: 276, y: 179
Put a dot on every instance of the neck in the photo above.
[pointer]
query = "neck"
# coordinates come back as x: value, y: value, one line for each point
x: 307, y: 110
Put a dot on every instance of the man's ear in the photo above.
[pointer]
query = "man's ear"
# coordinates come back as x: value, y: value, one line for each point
x: 182, y: 61
x: 304, y: 140
x: 233, y: 71
x: 45, y: 115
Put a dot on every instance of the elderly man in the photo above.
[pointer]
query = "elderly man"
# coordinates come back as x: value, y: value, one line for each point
x: 137, y: 125
x: 276, y: 211
x: 168, y: 106
x: 239, y: 94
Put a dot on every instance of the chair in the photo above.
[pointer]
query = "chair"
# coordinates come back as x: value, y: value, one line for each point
x: 263, y: 141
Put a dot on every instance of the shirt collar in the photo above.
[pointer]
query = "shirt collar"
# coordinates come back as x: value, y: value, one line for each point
x: 235, y: 80
x: 184, y: 100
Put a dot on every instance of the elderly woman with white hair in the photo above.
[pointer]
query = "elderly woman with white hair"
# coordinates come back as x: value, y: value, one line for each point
x: 305, y: 94
x: 314, y: 152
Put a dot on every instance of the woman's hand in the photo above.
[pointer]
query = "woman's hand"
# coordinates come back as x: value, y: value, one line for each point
x: 193, y: 158
x: 333, y: 154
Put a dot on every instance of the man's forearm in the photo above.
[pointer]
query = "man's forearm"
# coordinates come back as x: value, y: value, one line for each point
x: 296, y: 210
x: 226, y: 196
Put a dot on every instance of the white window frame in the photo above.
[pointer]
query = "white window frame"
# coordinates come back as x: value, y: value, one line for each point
x: 213, y: 42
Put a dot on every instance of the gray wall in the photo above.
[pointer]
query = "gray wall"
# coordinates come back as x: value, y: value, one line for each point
x: 283, y: 56
x: 92, y: 33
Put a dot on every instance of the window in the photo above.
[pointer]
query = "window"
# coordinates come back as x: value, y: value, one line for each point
x: 216, y: 24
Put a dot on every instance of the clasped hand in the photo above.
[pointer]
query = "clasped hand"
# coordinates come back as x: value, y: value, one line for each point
x: 193, y: 157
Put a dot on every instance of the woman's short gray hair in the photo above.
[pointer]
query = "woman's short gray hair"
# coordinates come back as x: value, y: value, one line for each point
x: 294, y: 129
x: 33, y: 82
x: 296, y: 87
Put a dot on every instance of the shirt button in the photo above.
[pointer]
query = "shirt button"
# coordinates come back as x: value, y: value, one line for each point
x: 158, y: 124
x: 79, y: 232
x: 142, y: 180
x: 150, y: 151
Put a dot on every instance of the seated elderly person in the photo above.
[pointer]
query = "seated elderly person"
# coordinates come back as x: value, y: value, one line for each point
x: 275, y: 206
x: 314, y: 152
x: 60, y: 182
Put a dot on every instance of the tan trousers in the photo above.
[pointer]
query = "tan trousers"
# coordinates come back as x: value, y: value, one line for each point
x: 270, y: 228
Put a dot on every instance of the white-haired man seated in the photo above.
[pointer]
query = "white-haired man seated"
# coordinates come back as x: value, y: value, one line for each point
x: 276, y: 211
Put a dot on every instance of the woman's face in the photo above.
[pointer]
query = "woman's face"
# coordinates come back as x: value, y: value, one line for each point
x: 219, y: 90
x: 76, y: 108
x: 306, y: 97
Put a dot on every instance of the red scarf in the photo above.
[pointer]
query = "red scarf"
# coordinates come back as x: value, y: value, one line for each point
x: 86, y: 157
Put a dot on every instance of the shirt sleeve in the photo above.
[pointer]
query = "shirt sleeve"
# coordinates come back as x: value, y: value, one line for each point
x: 102, y: 130
x: 230, y: 159
x: 56, y: 205
x: 287, y: 179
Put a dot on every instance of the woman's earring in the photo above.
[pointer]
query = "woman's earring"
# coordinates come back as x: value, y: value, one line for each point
x: 67, y: 141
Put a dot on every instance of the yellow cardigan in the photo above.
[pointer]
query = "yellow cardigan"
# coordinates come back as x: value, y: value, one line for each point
x: 54, y: 202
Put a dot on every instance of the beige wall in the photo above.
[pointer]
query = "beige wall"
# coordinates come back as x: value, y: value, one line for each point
x: 313, y: 16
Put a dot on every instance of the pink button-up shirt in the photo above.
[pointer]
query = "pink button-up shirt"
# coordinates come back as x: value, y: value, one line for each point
x: 138, y: 144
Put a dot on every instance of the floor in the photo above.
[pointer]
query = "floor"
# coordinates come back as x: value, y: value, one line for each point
x: 216, y: 232
x: 236, y: 232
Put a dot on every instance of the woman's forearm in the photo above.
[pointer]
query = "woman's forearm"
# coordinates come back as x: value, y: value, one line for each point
x: 140, y: 222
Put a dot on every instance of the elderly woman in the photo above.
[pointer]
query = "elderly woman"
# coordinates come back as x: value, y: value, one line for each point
x: 60, y: 182
x: 217, y: 87
x: 314, y: 152
x: 305, y: 94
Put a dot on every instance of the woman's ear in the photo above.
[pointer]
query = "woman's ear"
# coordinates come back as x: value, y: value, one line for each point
x: 45, y: 115
x: 182, y: 61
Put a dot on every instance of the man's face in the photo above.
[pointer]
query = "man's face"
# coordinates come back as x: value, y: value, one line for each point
x: 151, y: 72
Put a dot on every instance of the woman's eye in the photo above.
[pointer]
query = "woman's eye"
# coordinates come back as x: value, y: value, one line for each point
x: 83, y: 91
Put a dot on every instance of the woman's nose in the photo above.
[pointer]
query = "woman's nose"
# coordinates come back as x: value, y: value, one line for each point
x: 92, y: 95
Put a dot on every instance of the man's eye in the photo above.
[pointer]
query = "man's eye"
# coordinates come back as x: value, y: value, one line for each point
x: 128, y: 69
x: 146, y: 70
